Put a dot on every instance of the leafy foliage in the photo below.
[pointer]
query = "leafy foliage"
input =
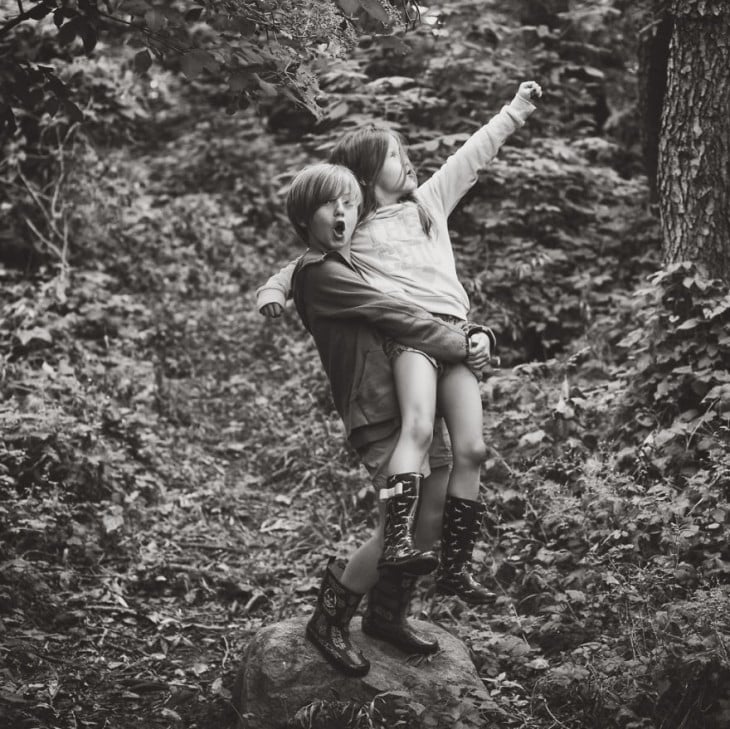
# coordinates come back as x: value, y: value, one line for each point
x: 680, y: 354
x: 172, y: 471
x: 259, y: 48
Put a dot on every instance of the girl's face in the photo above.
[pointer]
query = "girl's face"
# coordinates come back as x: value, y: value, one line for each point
x: 332, y: 225
x: 396, y: 177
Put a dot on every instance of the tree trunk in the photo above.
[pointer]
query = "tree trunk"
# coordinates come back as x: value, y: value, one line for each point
x: 694, y: 148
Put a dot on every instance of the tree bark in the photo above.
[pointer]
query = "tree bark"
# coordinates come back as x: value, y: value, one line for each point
x: 694, y: 147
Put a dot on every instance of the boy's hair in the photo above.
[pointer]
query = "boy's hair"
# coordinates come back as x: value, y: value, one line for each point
x: 364, y: 151
x: 313, y: 187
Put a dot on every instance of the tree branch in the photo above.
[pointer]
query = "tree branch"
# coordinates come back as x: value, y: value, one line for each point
x: 23, y: 16
x: 49, y: 243
x: 146, y: 31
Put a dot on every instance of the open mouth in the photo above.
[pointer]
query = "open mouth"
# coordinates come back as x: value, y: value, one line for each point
x: 339, y: 229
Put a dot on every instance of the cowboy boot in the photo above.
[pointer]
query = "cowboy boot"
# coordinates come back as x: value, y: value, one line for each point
x: 329, y: 626
x: 385, y: 614
x: 462, y: 520
x: 399, y: 552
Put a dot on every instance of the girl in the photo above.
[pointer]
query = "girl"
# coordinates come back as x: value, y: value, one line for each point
x: 402, y: 247
x: 345, y: 315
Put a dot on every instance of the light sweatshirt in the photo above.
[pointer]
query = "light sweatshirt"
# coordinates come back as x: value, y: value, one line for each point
x: 391, y: 250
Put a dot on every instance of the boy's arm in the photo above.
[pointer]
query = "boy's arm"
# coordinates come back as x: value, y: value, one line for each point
x: 452, y: 181
x: 277, y: 289
x: 332, y: 290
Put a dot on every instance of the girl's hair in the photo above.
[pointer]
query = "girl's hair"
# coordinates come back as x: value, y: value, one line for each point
x: 364, y: 151
x: 313, y: 187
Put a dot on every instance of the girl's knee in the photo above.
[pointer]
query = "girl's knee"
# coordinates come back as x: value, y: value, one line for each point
x: 418, y: 430
x: 473, y: 453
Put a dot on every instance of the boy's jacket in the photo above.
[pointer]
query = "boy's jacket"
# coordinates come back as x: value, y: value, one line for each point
x: 348, y: 320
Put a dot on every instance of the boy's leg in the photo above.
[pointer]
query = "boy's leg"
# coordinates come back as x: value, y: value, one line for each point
x: 429, y: 517
x: 328, y: 628
x: 361, y: 571
x: 389, y: 590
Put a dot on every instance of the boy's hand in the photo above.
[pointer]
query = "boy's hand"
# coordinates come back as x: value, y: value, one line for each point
x: 272, y: 310
x: 529, y: 90
x: 480, y: 352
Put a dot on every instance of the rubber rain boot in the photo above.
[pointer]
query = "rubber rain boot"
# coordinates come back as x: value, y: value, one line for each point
x: 462, y: 521
x: 399, y: 552
x: 329, y: 626
x: 387, y: 608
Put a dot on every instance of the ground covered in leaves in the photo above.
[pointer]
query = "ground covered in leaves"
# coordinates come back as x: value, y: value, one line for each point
x: 173, y: 475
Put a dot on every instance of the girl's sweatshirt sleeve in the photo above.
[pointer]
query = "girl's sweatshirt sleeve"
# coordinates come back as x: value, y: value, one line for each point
x: 278, y: 288
x: 452, y: 181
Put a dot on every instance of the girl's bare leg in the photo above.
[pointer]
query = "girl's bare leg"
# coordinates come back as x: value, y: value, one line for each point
x: 415, y: 383
x: 461, y: 405
x: 460, y: 402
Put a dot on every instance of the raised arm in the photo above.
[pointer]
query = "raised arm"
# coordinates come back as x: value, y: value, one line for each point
x: 330, y: 290
x: 452, y: 181
x: 272, y: 296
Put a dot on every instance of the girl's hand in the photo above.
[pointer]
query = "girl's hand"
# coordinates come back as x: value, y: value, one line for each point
x: 529, y: 90
x: 272, y: 310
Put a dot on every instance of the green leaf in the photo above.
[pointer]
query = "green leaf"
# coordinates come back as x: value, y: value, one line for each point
x: 195, y: 62
x: 51, y: 105
x: 338, y: 111
x: 112, y: 522
x: 37, y: 334
x: 39, y: 11
x: 88, y: 36
x: 142, y: 61
x: 532, y: 439
x: 135, y: 7
x: 244, y: 26
x: 349, y: 6
x: 394, y: 43
x: 238, y: 81
x: 268, y: 88
x: 689, y: 324
x: 193, y: 15
x: 375, y: 9
x: 68, y: 31
x: 73, y: 111
x: 155, y: 19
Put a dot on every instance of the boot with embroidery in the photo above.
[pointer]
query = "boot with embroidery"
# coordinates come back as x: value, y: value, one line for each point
x: 329, y: 626
x: 386, y: 611
x: 399, y: 552
x: 462, y: 520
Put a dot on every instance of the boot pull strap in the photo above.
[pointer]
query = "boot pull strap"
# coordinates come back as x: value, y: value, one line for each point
x: 385, y: 494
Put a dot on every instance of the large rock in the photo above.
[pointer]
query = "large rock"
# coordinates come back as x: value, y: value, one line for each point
x: 282, y: 672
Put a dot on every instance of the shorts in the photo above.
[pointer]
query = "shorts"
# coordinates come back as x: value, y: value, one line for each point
x: 393, y: 349
x: 375, y: 456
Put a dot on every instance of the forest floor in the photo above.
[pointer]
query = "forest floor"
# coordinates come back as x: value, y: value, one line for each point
x: 130, y: 596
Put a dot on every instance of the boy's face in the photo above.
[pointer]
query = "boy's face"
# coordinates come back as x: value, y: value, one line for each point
x: 332, y: 225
